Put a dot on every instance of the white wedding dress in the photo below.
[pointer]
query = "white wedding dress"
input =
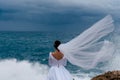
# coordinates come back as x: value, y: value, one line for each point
x: 86, y: 50
x: 57, y: 70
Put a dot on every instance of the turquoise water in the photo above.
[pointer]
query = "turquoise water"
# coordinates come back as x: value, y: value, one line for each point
x: 29, y: 48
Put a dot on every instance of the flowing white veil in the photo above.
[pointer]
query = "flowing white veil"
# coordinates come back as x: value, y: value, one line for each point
x: 86, y: 50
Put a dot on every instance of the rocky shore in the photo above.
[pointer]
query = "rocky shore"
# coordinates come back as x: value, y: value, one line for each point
x: 110, y: 75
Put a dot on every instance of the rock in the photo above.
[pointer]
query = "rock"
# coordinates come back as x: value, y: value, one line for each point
x: 110, y: 75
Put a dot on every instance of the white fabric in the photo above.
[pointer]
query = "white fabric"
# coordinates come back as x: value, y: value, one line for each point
x: 54, y: 62
x: 86, y: 50
x: 57, y: 70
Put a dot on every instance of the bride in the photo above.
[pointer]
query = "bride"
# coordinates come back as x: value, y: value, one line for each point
x: 86, y: 50
x: 57, y: 61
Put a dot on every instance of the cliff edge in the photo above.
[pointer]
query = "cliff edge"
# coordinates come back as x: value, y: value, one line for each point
x: 110, y: 75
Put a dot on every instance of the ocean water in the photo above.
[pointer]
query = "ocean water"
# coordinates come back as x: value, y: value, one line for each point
x: 24, y: 55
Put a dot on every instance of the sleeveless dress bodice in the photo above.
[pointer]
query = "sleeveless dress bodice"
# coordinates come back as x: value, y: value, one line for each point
x: 57, y: 70
x: 54, y: 62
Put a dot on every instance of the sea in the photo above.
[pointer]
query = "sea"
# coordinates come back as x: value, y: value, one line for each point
x: 24, y: 55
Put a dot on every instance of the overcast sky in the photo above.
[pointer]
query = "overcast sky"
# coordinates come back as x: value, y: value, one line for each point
x: 38, y: 15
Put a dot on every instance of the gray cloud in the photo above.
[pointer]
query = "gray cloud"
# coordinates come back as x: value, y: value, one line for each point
x: 54, y: 14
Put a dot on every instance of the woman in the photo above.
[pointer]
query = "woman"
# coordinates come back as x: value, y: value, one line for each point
x: 86, y: 50
x: 57, y: 61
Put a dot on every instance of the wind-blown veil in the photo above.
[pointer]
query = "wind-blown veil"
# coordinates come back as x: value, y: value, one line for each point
x: 86, y: 50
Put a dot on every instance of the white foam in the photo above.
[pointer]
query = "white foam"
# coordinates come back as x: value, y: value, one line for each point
x: 23, y: 70
x: 13, y: 70
x: 81, y: 76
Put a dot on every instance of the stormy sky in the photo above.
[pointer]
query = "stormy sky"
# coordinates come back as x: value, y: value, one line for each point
x: 41, y: 15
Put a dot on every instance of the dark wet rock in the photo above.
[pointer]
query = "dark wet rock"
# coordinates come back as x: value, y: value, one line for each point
x: 110, y: 75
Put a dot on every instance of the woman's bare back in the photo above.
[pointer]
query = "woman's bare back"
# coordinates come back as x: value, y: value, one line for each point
x: 57, y: 55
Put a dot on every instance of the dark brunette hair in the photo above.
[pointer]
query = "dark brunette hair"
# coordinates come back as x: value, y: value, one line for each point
x: 56, y: 44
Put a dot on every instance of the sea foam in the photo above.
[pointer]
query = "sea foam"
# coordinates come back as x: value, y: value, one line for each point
x: 24, y: 70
